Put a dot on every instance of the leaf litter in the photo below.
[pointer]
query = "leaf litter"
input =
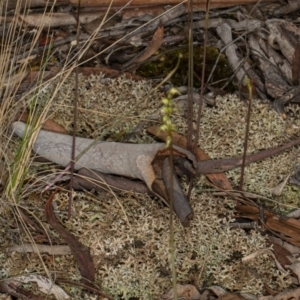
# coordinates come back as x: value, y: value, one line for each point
x: 141, y: 266
x: 129, y: 246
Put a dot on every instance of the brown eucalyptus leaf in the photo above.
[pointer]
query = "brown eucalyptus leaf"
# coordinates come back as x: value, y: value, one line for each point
x: 231, y: 296
x: 187, y: 292
x: 80, y: 252
x: 154, y: 45
x: 281, y: 254
x: 47, y: 125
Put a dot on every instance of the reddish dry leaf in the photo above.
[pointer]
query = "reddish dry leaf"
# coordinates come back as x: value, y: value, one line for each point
x: 281, y: 254
x: 154, y: 45
x: 81, y: 253
x: 219, y: 180
x: 47, y: 125
x: 231, y: 296
x: 187, y: 292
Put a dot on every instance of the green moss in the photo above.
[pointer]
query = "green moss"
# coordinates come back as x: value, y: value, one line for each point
x: 168, y: 60
x: 289, y: 198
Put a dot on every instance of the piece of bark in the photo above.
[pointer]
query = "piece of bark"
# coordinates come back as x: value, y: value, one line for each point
x: 225, y: 33
x: 289, y: 229
x: 249, y: 25
x: 11, y: 4
x: 39, y: 248
x: 291, y: 6
x: 284, y: 36
x: 181, y: 204
x: 291, y: 95
x: 199, y: 4
x: 260, y: 49
x: 276, y: 86
x: 58, y: 19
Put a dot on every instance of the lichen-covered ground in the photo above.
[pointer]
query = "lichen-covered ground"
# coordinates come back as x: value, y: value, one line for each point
x: 128, y: 234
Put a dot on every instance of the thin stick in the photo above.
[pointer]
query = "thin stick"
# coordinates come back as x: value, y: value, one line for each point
x: 190, y: 114
x: 74, y: 119
x: 200, y: 103
x: 172, y: 246
x: 249, y: 85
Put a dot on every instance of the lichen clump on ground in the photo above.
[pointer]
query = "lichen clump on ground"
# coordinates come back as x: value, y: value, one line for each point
x: 128, y: 234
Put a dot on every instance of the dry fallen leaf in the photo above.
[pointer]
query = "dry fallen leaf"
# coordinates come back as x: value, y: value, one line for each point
x: 81, y: 253
x: 154, y: 45
x: 47, y: 125
x: 187, y: 292
x: 231, y: 296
